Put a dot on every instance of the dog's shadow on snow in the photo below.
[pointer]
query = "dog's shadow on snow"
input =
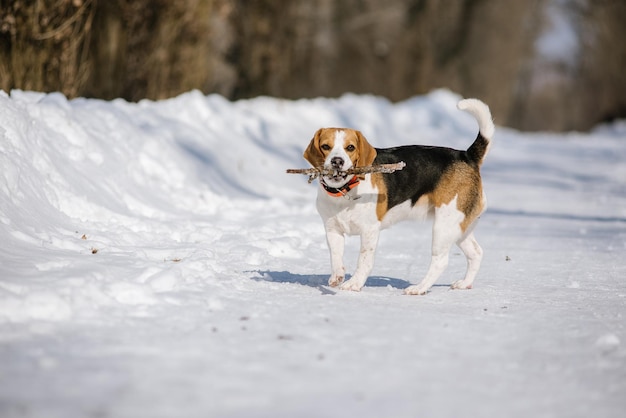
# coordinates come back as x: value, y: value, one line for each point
x: 320, y: 281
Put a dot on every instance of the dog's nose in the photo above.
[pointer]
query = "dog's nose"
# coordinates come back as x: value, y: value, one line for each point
x: 336, y: 162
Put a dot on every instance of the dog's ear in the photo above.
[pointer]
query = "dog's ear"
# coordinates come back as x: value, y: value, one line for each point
x: 367, y: 153
x: 313, y: 154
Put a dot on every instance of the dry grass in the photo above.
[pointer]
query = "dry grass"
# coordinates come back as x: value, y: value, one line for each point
x: 45, y: 44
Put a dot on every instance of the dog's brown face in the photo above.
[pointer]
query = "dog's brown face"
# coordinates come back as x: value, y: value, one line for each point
x: 339, y: 149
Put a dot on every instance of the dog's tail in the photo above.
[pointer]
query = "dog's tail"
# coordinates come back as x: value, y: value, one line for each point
x: 477, y: 151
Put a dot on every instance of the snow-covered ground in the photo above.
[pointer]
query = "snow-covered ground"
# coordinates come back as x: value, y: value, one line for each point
x: 156, y: 261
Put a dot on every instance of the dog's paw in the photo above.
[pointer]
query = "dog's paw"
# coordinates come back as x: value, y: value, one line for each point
x: 416, y: 290
x: 353, y: 285
x: 461, y: 284
x: 335, y: 280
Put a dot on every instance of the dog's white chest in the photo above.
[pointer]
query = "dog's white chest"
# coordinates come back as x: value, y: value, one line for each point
x: 349, y: 216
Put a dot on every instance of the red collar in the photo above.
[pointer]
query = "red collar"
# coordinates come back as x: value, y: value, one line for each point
x: 343, y: 190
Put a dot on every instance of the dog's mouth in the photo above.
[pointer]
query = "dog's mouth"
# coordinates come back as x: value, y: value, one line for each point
x: 337, y: 177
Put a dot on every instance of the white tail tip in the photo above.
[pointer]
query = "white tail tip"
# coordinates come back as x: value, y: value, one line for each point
x: 482, y: 114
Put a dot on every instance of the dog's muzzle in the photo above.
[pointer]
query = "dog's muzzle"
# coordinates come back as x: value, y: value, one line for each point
x: 337, y: 163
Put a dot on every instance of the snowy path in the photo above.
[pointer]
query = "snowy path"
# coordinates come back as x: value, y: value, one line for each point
x: 156, y: 261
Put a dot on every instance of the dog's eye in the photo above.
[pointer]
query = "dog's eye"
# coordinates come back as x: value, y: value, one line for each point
x: 325, y: 147
x: 350, y: 148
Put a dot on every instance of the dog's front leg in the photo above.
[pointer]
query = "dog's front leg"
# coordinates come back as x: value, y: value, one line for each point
x: 369, y: 241
x: 336, y: 242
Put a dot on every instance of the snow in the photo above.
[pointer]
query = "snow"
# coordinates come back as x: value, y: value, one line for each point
x: 156, y: 261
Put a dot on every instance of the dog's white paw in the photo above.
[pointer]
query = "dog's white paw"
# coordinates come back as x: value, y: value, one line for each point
x: 335, y: 280
x: 417, y: 289
x: 461, y: 284
x: 353, y: 285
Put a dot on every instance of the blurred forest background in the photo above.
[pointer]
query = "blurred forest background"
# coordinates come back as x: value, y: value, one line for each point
x: 540, y: 64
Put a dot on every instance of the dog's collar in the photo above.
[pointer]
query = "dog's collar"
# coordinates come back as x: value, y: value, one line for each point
x: 343, y: 190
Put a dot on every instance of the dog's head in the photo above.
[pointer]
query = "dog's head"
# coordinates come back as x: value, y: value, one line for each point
x: 339, y: 149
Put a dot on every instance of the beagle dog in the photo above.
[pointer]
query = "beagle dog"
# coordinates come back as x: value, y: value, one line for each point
x: 437, y: 182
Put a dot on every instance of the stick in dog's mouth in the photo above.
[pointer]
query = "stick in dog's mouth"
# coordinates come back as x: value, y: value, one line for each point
x: 315, y: 172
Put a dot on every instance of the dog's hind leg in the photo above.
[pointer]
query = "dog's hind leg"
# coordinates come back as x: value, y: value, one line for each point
x: 446, y: 231
x: 474, y: 255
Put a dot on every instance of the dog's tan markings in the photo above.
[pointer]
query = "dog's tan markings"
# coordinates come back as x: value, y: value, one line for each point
x: 327, y: 137
x: 382, y: 205
x: 351, y: 144
x: 462, y: 181
x: 314, y: 153
x: 366, y: 152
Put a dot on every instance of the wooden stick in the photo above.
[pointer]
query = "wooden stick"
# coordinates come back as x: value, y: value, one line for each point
x: 316, y: 172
